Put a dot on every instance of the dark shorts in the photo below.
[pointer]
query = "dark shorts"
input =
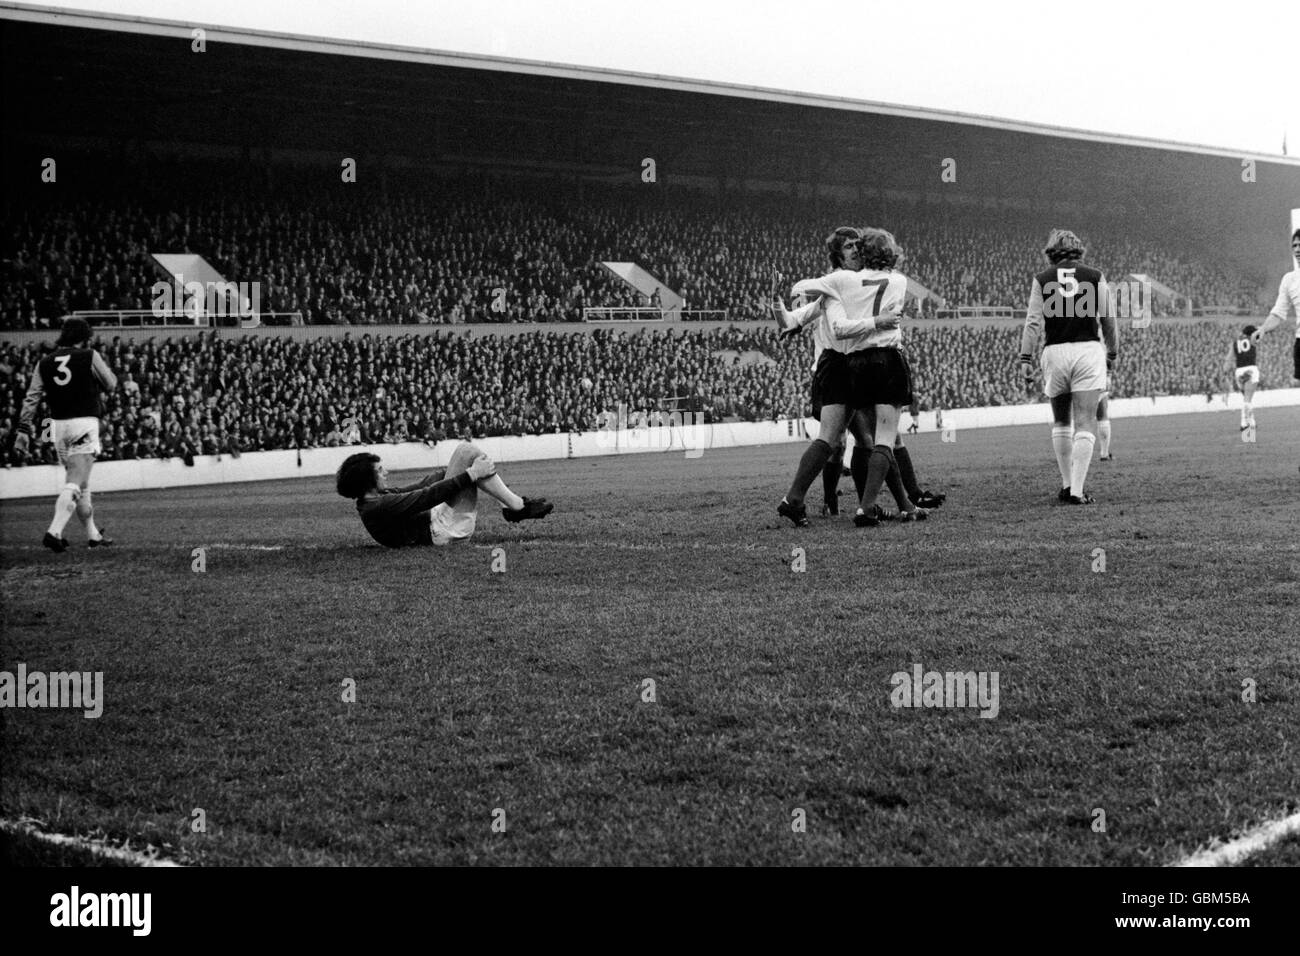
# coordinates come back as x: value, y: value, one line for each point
x: 830, y: 381
x: 1297, y: 357
x: 879, y: 376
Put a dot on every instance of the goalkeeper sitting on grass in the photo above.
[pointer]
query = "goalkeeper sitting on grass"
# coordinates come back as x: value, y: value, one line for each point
x: 438, y: 510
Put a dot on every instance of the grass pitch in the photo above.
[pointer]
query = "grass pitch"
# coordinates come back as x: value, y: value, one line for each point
x: 518, y: 697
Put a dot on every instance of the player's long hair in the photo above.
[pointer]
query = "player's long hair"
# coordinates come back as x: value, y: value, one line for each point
x: 1063, y: 244
x: 837, y: 241
x: 878, y: 249
x: 356, y: 475
x: 1248, y: 330
x: 74, y: 332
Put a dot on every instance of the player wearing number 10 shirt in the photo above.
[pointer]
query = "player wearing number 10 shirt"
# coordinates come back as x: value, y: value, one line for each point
x: 1245, y: 372
x: 69, y: 380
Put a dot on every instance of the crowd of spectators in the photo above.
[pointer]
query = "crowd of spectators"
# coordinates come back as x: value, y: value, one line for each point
x: 398, y: 247
x: 226, y: 392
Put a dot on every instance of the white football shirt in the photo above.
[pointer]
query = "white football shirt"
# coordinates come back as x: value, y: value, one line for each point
x: 853, y: 301
x: 1288, y: 298
x: 814, y: 313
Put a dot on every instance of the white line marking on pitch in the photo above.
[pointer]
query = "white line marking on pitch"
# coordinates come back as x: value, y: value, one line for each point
x: 246, y: 547
x: 1247, y: 845
x: 219, y: 546
x: 81, y: 843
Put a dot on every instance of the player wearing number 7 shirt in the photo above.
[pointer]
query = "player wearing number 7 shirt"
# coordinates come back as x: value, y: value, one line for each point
x: 863, y: 307
x: 841, y: 289
x: 69, y: 379
x: 829, y: 389
x: 1070, y: 309
x: 881, y: 380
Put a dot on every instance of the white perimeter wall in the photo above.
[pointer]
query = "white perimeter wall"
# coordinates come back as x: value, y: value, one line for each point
x: 693, y: 440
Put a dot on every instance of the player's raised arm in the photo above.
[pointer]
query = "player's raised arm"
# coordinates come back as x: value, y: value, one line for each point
x: 808, y: 313
x: 810, y: 301
x: 793, y: 320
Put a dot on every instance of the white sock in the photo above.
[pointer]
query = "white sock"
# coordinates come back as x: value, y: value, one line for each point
x: 64, y: 506
x: 498, y: 489
x: 1103, y: 436
x: 1063, y: 444
x: 86, y: 515
x: 1083, y: 444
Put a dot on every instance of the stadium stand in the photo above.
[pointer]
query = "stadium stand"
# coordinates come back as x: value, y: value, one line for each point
x: 225, y: 393
x: 419, y: 249
x: 403, y: 247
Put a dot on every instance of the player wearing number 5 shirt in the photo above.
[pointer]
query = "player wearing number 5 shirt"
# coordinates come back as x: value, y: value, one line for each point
x: 1070, y: 310
x: 69, y: 379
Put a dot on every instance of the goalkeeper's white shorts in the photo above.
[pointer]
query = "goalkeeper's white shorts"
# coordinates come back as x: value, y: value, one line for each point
x: 446, y: 524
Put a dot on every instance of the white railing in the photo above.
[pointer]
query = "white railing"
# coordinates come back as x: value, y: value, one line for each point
x: 980, y: 312
x: 1203, y: 310
x: 138, y: 318
x: 626, y: 314
x: 173, y: 318
x: 651, y: 314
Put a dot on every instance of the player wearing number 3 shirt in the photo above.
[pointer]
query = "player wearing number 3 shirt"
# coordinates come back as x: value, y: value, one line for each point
x: 69, y: 380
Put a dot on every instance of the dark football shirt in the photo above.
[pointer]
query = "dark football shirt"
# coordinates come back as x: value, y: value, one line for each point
x: 71, y: 390
x: 1244, y: 351
x: 398, y: 517
x: 1071, y: 302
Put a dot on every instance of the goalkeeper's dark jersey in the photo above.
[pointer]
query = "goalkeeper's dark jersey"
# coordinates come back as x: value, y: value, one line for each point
x: 398, y: 517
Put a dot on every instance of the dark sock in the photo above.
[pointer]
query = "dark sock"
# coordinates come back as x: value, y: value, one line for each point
x: 895, y: 482
x: 831, y: 474
x: 877, y: 468
x: 904, y: 459
x: 858, y: 465
x: 812, y: 462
